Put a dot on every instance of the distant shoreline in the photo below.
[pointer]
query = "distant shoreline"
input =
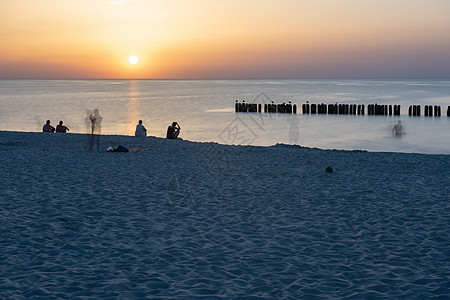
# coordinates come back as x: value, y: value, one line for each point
x: 108, y: 140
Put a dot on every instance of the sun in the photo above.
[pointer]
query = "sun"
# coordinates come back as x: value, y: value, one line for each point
x: 133, y: 60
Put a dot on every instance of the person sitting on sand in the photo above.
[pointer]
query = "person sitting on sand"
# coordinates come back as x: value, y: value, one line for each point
x: 398, y: 129
x: 141, y: 131
x: 61, y: 128
x: 173, y: 131
x: 47, y: 127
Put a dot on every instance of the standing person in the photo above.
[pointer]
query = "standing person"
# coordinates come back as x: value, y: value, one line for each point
x: 398, y: 129
x: 47, y: 127
x: 87, y: 120
x: 173, y: 131
x: 141, y: 131
x: 96, y: 128
x: 61, y: 127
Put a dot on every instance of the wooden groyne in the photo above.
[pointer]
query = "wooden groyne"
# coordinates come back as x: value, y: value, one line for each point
x: 283, y: 108
x: 247, y: 107
x: 340, y: 109
x: 351, y: 109
x: 384, y: 110
x: 429, y: 110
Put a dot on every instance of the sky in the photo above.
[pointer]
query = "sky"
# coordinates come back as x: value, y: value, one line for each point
x: 187, y: 39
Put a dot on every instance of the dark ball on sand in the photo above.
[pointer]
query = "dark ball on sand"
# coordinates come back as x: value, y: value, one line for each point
x: 329, y: 169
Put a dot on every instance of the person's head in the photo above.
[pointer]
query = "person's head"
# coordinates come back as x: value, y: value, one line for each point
x: 174, y: 123
x: 399, y: 122
x: 96, y: 111
x: 48, y: 122
x: 140, y: 122
x: 60, y: 122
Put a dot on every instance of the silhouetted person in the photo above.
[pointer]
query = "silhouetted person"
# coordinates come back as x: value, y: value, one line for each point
x: 87, y: 120
x: 47, y: 127
x: 173, y: 131
x: 61, y: 128
x: 96, y: 128
x: 398, y: 129
x: 141, y: 131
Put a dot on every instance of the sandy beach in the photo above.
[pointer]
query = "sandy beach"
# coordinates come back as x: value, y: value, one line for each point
x: 187, y: 220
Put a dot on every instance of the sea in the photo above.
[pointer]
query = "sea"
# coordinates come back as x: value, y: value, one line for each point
x: 205, y: 110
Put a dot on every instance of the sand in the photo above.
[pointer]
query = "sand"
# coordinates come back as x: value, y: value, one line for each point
x: 185, y: 220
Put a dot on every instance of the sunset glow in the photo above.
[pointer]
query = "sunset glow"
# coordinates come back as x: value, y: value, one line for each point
x: 133, y: 60
x: 229, y: 39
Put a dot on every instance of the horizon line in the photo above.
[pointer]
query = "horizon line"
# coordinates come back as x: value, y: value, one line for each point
x: 237, y: 78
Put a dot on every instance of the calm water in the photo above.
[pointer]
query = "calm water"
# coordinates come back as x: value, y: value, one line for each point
x: 205, y: 110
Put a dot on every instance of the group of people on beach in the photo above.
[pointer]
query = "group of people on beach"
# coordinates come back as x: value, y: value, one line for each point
x: 93, y: 125
x: 59, y: 128
x: 173, y: 131
x: 93, y: 122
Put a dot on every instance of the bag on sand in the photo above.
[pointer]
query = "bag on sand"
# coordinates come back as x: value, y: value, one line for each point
x: 121, y: 148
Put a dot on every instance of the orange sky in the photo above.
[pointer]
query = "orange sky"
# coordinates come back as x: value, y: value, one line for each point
x: 226, y: 39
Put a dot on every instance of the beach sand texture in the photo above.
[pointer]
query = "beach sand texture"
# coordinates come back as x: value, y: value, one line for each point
x: 185, y: 220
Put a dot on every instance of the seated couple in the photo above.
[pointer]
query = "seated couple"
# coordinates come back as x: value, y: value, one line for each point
x: 59, y: 128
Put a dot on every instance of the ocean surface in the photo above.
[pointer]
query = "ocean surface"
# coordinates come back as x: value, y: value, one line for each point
x: 205, y: 110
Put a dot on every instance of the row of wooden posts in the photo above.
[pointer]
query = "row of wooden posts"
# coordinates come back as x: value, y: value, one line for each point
x: 351, y: 109
x: 339, y: 109
x: 284, y: 108
x: 414, y: 110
